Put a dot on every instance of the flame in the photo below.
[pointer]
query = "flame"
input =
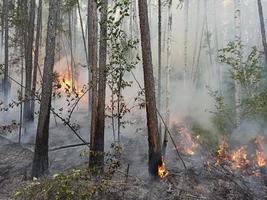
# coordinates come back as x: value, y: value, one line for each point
x: 67, y: 85
x: 162, y: 171
x: 188, y: 143
x: 260, y: 157
x: 239, y: 158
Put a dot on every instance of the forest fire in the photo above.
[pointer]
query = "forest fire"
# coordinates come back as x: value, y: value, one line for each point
x: 67, y: 85
x: 260, y: 157
x: 162, y: 171
x: 238, y: 159
x: 188, y: 144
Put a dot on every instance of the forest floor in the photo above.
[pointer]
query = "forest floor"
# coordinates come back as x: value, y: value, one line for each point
x: 198, y: 181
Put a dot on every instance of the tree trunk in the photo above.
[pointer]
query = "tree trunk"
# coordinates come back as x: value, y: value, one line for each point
x: 155, y: 158
x: 97, y: 144
x: 6, y: 79
x: 40, y: 161
x: 36, y: 55
x: 263, y: 33
x: 92, y: 76
x: 237, y: 5
x: 168, y: 69
x: 186, y: 7
x: 159, y: 60
x: 28, y: 64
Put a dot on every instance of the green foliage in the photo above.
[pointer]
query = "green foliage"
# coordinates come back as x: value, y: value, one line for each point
x: 77, y: 184
x: 68, y: 5
x: 250, y: 75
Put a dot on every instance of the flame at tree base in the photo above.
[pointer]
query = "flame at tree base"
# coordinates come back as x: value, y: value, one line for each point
x: 162, y: 171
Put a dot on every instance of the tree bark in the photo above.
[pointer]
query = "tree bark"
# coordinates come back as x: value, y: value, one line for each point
x: 97, y: 144
x: 36, y: 55
x: 40, y: 161
x: 168, y: 69
x: 159, y: 60
x: 186, y: 7
x: 155, y: 154
x: 28, y: 64
x: 92, y: 76
x: 6, y: 80
x: 263, y: 32
x: 237, y: 4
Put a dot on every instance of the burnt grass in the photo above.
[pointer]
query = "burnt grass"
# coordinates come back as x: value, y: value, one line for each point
x: 198, y: 181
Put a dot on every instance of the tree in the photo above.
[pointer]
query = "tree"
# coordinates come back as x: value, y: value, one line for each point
x: 155, y: 155
x: 36, y: 54
x: 159, y: 60
x: 97, y: 142
x: 28, y: 63
x: 263, y: 33
x: 168, y: 69
x: 40, y: 160
x: 186, y: 8
x: 6, y: 28
x: 237, y: 17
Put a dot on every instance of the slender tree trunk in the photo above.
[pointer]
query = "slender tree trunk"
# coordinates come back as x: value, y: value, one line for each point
x: 40, y: 161
x: 263, y: 32
x: 2, y: 23
x: 237, y: 4
x: 92, y: 76
x: 159, y: 61
x: 36, y: 54
x: 155, y: 155
x: 217, y: 70
x: 71, y: 52
x: 186, y: 7
x: 6, y: 80
x: 28, y: 64
x: 83, y: 34
x: 195, y: 40
x: 168, y: 69
x: 97, y: 145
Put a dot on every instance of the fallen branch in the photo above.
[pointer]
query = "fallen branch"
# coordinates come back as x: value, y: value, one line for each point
x: 68, y: 146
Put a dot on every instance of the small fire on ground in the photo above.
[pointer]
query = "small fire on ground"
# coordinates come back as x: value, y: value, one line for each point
x: 162, y: 171
x: 240, y: 158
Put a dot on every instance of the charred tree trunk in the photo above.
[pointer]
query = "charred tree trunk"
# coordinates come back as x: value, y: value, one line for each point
x: 263, y: 32
x: 28, y: 64
x: 40, y: 161
x: 92, y: 76
x: 155, y: 158
x: 36, y: 55
x: 97, y: 144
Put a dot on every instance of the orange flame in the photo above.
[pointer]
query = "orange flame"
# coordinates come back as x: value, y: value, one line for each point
x: 239, y: 158
x: 188, y: 143
x: 162, y: 171
x: 260, y: 157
